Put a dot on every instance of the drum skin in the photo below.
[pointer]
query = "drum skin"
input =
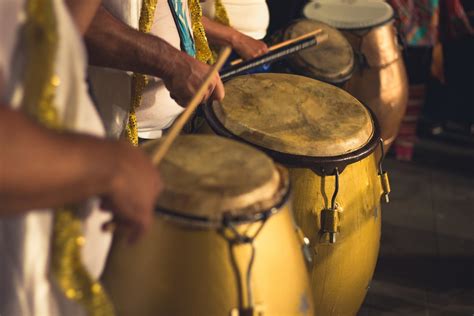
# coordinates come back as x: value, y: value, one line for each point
x: 180, y: 270
x: 342, y: 271
x: 381, y: 82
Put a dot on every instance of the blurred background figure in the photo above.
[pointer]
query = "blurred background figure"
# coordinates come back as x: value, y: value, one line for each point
x: 424, y: 25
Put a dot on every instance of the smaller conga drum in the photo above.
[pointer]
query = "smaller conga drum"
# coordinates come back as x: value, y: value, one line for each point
x: 327, y: 139
x: 379, y: 79
x: 223, y: 241
x: 332, y: 61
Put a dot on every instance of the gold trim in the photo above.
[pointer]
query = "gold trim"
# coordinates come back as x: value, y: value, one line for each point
x: 221, y: 15
x: 203, y: 52
x: 41, y: 82
x: 139, y: 81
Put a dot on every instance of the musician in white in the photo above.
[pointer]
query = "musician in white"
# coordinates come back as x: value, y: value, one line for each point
x: 166, y: 54
x: 249, y: 21
x: 42, y: 169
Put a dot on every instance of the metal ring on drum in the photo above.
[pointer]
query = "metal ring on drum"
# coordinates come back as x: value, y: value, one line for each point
x: 327, y: 139
x: 223, y: 241
x: 379, y: 79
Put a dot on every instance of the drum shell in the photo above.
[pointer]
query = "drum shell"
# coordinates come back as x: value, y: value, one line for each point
x: 380, y: 79
x: 180, y: 270
x: 342, y: 271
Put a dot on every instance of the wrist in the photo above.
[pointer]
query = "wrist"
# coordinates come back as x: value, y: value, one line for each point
x: 234, y: 38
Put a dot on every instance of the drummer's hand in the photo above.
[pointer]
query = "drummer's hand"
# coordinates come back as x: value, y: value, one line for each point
x: 188, y: 77
x: 248, y: 47
x: 134, y: 188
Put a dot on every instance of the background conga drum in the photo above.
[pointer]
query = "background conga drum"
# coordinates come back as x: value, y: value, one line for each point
x: 379, y: 79
x: 331, y: 61
x: 223, y: 241
x: 327, y: 139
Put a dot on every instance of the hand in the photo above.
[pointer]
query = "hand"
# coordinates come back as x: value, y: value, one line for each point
x: 186, y: 79
x: 248, y: 47
x: 134, y: 188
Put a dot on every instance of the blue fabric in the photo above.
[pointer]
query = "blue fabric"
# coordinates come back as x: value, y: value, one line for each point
x: 184, y: 30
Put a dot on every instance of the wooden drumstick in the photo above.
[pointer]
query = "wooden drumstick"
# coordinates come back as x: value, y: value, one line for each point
x: 161, y: 151
x: 314, y: 33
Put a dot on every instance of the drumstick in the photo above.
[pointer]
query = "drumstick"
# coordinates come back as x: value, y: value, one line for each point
x: 285, y: 43
x: 160, y: 153
x: 276, y: 54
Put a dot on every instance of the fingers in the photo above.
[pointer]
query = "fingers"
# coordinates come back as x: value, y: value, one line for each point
x: 219, y: 91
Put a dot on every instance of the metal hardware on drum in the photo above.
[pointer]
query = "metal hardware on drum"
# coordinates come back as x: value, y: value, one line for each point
x: 241, y: 239
x: 330, y: 217
x: 384, y: 175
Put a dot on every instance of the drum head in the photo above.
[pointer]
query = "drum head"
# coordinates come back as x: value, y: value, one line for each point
x: 294, y: 115
x: 354, y: 14
x: 332, y: 61
x: 206, y: 176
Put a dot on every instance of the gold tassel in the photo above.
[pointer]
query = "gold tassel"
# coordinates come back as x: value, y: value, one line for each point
x: 203, y: 52
x: 40, y: 83
x: 139, y: 81
x: 221, y: 13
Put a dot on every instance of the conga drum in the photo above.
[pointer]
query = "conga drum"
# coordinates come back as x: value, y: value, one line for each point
x: 379, y: 79
x: 332, y: 61
x: 327, y: 139
x: 223, y: 241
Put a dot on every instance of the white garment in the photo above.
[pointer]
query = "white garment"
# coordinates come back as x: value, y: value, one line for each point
x: 25, y: 284
x: 250, y: 17
x: 157, y: 110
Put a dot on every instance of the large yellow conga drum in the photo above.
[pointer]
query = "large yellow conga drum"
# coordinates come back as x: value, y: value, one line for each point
x: 327, y: 140
x: 223, y: 241
x: 379, y: 79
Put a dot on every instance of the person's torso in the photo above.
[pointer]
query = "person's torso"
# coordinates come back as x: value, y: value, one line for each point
x: 157, y: 109
x: 26, y: 288
x: 250, y: 17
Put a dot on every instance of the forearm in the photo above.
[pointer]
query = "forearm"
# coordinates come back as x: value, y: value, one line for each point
x: 41, y: 168
x: 218, y: 34
x: 83, y: 11
x: 111, y: 43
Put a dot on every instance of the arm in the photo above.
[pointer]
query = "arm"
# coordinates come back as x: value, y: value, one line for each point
x: 40, y: 168
x: 111, y: 43
x: 244, y: 45
x: 83, y: 11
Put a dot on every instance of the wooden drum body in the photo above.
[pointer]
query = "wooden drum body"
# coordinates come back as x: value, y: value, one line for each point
x: 342, y: 271
x: 220, y: 226
x: 379, y: 79
x: 322, y: 135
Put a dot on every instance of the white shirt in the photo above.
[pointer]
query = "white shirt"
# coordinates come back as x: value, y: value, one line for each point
x: 157, y: 110
x: 250, y: 17
x: 25, y: 286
